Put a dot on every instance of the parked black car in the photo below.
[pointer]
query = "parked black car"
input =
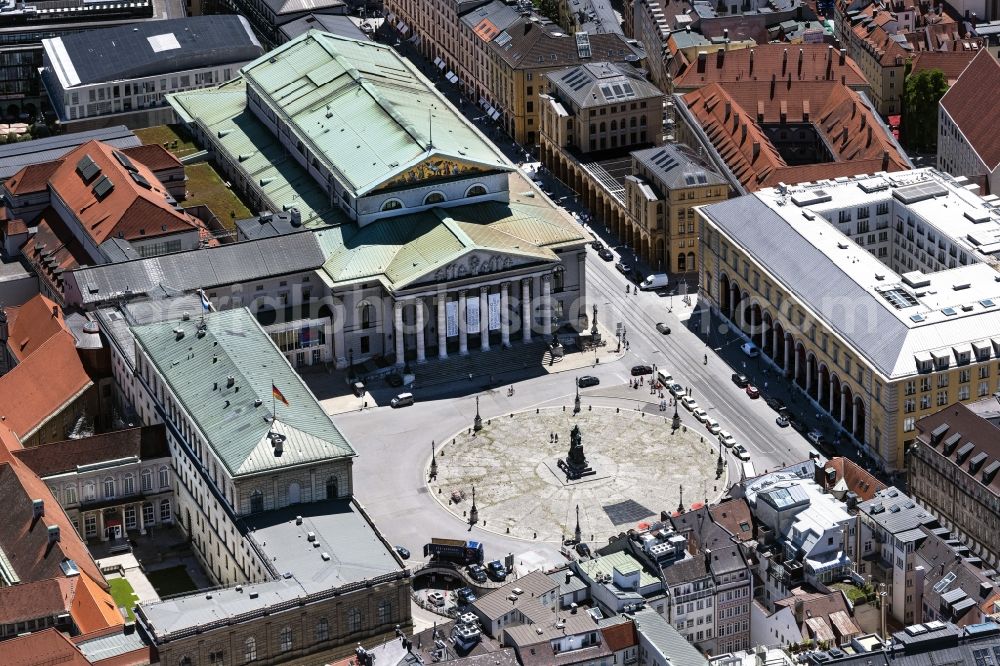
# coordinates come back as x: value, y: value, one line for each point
x: 775, y: 404
x: 641, y: 370
x: 583, y: 550
x: 403, y: 552
x: 740, y: 380
x: 623, y: 268
x: 465, y: 595
x: 606, y: 254
x: 587, y: 380
x: 477, y: 573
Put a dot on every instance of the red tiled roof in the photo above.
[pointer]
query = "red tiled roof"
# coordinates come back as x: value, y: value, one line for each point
x: 857, y: 480
x: 129, y: 210
x: 94, y: 608
x: 32, y: 178
x: 26, y: 541
x: 146, y: 442
x: 880, y: 43
x: 53, y: 250
x: 42, y: 384
x: 37, y: 599
x: 32, y: 324
x: 620, y: 636
x: 805, y: 62
x: 154, y: 156
x: 951, y: 63
x: 731, y: 115
x: 964, y: 103
x: 43, y: 648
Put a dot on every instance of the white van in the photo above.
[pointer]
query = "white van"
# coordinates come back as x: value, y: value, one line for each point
x: 664, y: 378
x: 654, y: 281
x: 402, y: 400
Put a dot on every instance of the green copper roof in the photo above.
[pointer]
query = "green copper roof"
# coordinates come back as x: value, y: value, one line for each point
x: 363, y: 109
x: 403, y: 250
x: 196, y: 365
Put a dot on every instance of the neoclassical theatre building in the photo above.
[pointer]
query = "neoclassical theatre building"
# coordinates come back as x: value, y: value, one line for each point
x: 428, y: 242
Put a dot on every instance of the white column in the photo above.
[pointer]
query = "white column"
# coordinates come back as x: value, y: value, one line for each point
x: 398, y: 331
x: 546, y: 305
x: 442, y: 326
x: 854, y: 419
x: 419, y: 305
x: 819, y: 388
x: 463, y: 325
x: 505, y: 314
x: 733, y: 295
x: 797, y: 363
x: 809, y: 374
x: 142, y: 523
x: 774, y: 343
x: 843, y: 406
x: 484, y: 318
x: 339, y: 346
x: 526, y: 309
x: 832, y: 397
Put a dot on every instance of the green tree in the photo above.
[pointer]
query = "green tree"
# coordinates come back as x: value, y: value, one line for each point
x: 921, y: 95
x: 548, y: 9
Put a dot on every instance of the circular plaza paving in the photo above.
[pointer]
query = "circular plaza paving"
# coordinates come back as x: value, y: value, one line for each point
x: 639, y: 467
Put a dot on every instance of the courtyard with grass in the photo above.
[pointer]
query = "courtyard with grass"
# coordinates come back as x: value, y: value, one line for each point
x: 174, y: 138
x: 206, y: 187
x: 124, y: 596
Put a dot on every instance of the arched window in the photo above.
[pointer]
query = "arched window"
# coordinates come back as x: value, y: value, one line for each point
x: 109, y: 488
x: 475, y: 191
x: 681, y: 263
x: 691, y: 261
x: 285, y: 639
x: 392, y: 204
x: 128, y: 485
x: 331, y: 488
x: 147, y: 480
x: 322, y: 630
x: 250, y: 649
x: 89, y: 491
x: 604, y: 127
x: 366, y: 314
x: 433, y: 198
x: 256, y: 501
x: 71, y: 494
x: 384, y: 611
x: 614, y: 125
x: 353, y: 620
x: 164, y: 477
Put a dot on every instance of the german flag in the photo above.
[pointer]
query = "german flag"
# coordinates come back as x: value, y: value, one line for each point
x: 278, y: 395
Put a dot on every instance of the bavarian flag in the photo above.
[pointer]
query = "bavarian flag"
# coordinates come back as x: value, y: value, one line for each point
x: 278, y: 395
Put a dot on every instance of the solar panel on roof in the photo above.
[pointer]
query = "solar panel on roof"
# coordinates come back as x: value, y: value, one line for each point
x: 140, y: 179
x: 125, y: 161
x: 87, y: 168
x: 103, y: 187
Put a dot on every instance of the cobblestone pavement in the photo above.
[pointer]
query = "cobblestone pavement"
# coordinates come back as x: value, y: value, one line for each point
x: 640, y: 468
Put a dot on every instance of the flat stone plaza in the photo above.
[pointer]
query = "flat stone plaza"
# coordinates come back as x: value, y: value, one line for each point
x: 637, y: 467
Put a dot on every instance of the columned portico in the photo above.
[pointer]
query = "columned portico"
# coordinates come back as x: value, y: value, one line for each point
x: 442, y: 301
x: 526, y: 309
x: 788, y: 353
x: 810, y: 362
x: 419, y: 305
x: 774, y: 347
x: 463, y: 328
x: 484, y: 318
x: 833, y: 396
x: 798, y: 364
x: 398, y: 331
x: 505, y: 314
x: 843, y: 404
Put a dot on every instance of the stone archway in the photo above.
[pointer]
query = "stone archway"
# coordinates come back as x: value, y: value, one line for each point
x: 812, y: 376
x: 800, y: 364
x: 746, y: 307
x: 779, y: 344
x: 847, y: 418
x: 767, y: 333
x: 835, y: 390
x: 737, y: 303
x: 823, y: 390
x: 725, y: 302
x: 859, y: 419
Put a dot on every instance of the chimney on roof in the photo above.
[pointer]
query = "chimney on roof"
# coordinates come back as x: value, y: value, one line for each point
x: 725, y: 35
x: 751, y: 62
x: 885, y: 160
x: 743, y: 133
x: 569, y: 577
x: 756, y: 151
x: 784, y: 62
x: 869, y: 136
x: 55, y: 311
x: 843, y: 56
x: 729, y: 109
x: 230, y: 380
x: 864, y: 120
x: 720, y: 58
x: 37, y: 509
x: 527, y: 27
x: 801, y: 55
x: 53, y: 534
x: 702, y: 57
x: 843, y: 134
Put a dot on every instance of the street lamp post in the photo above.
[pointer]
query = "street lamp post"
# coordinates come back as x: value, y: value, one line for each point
x: 434, y: 462
x: 677, y: 417
x: 576, y: 401
x: 474, y: 511
x: 477, y: 423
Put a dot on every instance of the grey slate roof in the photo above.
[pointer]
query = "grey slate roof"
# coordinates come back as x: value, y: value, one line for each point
x: 676, y: 167
x: 15, y: 156
x: 500, y: 15
x: 896, y: 512
x: 662, y: 636
x: 601, y: 83
x: 283, y: 7
x: 128, y: 51
x: 812, y: 277
x: 197, y: 365
x: 200, y: 269
x: 111, y: 645
x: 338, y: 24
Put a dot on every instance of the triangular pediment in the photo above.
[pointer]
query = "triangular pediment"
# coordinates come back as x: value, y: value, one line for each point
x: 432, y: 168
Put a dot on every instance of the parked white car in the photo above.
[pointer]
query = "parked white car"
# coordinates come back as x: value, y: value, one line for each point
x: 689, y: 403
x: 699, y: 414
x: 712, y: 425
x: 727, y: 439
x: 741, y: 453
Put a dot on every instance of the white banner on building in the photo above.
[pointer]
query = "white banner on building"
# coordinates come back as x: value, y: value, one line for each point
x: 472, y: 311
x: 494, y: 306
x: 451, y: 316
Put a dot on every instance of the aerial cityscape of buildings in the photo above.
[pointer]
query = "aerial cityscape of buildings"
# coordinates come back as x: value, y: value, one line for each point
x: 570, y: 332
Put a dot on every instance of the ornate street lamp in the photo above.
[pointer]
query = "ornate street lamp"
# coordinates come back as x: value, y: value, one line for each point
x: 576, y: 401
x: 474, y: 511
x: 434, y: 462
x: 477, y: 423
x: 677, y: 417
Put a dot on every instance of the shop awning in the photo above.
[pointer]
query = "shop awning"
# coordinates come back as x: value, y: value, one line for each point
x: 403, y: 28
x: 437, y: 61
x: 495, y: 114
